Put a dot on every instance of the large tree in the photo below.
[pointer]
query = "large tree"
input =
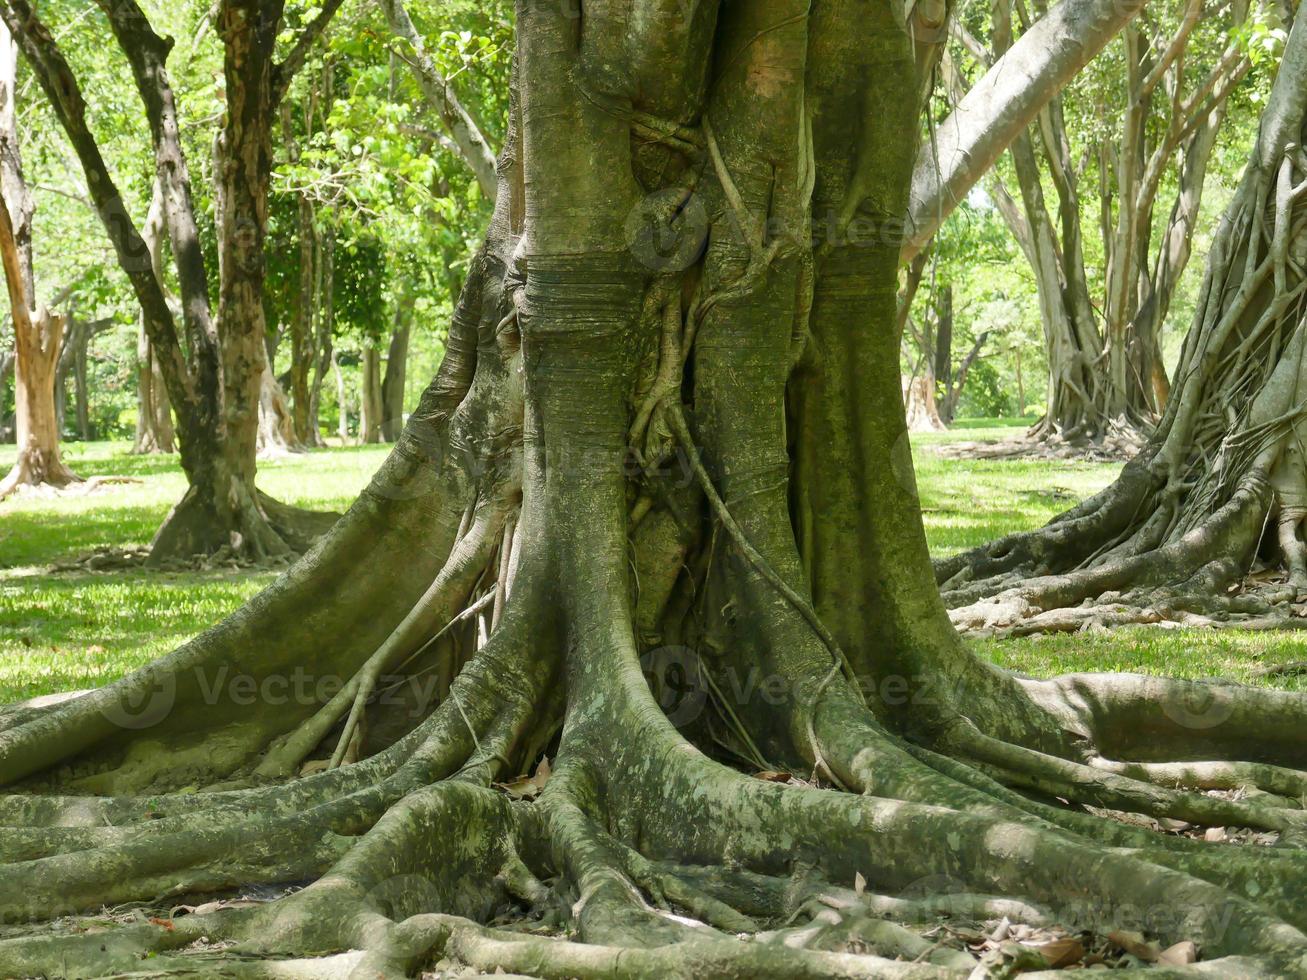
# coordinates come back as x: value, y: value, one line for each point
x: 667, y: 429
x: 1102, y: 332
x: 214, y: 366
x: 1222, y: 483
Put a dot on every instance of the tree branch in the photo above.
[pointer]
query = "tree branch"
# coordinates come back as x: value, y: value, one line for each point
x: 472, y: 144
x: 1002, y: 104
x: 284, y: 73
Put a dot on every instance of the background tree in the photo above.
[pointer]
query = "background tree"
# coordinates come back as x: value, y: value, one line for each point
x: 1107, y: 380
x: 214, y: 379
x: 1221, y: 481
x: 38, y: 331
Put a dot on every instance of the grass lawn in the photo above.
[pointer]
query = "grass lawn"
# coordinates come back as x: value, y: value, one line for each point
x: 68, y: 631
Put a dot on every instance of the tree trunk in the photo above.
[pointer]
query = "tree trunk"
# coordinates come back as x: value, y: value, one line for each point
x: 303, y: 356
x: 1173, y: 537
x: 326, y: 324
x: 154, y: 428
x: 78, y: 334
x: 342, y: 400
x: 372, y: 407
x: 392, y: 384
x: 38, y: 332
x: 641, y: 477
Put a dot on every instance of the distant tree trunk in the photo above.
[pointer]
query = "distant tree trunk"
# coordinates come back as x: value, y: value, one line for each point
x: 38, y: 332
x: 944, y: 335
x: 324, y: 269
x: 919, y: 403
x: 6, y: 376
x: 154, y: 429
x: 72, y: 363
x: 303, y: 357
x: 958, y: 380
x: 372, y: 410
x: 392, y: 384
x: 342, y: 400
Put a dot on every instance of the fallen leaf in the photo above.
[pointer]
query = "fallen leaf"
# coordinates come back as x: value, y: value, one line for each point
x: 1062, y: 952
x: 1214, y: 834
x: 166, y: 923
x: 1181, y: 954
x: 772, y: 776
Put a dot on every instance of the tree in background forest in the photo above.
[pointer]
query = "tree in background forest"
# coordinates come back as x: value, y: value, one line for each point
x: 1222, y: 484
x: 38, y: 330
x: 1153, y: 134
x: 650, y: 304
x: 213, y: 376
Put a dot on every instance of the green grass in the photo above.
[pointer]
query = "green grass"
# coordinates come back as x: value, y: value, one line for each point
x: 68, y: 631
x: 967, y: 502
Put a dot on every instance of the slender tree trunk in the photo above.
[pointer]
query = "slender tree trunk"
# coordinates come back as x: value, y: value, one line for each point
x: 154, y: 427
x: 342, y: 400
x: 303, y: 356
x: 392, y: 383
x: 372, y: 408
x: 324, y: 269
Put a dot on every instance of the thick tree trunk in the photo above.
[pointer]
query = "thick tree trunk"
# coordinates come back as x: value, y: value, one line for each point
x: 636, y: 467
